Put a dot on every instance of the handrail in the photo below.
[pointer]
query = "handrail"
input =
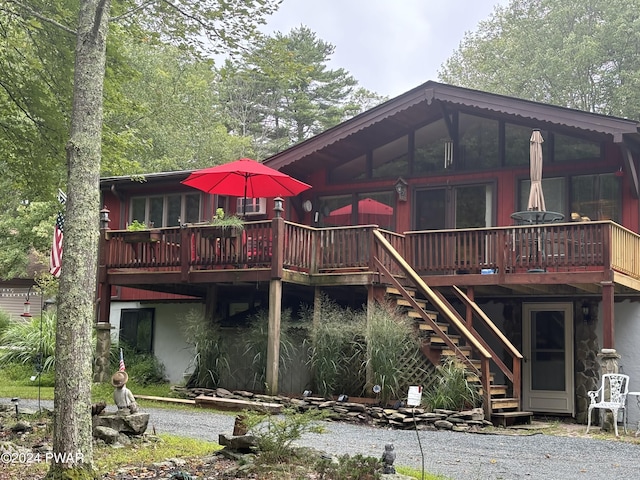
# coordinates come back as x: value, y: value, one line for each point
x: 430, y: 294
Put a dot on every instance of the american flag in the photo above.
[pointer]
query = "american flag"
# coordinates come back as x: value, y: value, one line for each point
x: 121, y: 361
x: 56, y: 249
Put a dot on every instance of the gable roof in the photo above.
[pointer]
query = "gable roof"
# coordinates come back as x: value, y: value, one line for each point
x: 428, y: 102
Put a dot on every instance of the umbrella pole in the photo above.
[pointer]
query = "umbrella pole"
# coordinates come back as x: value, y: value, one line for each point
x: 244, y: 203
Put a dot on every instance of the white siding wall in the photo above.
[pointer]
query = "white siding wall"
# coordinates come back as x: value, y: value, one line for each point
x: 627, y: 342
x: 169, y: 345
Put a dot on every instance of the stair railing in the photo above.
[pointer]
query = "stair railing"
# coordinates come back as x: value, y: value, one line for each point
x: 444, y: 309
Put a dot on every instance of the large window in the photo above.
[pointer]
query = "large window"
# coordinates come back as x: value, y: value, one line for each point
x: 461, y: 206
x: 430, y: 142
x: 391, y: 158
x: 166, y: 210
x: 554, y: 191
x: 136, y: 329
x: 597, y: 197
x: 478, y: 148
x: 374, y: 208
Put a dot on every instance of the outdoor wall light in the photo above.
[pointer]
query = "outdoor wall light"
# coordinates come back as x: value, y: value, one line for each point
x: 104, y: 218
x: 278, y: 208
x: 401, y: 189
x: 586, y: 312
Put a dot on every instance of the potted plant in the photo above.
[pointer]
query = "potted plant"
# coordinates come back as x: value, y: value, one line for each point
x: 225, y: 225
x: 139, y: 232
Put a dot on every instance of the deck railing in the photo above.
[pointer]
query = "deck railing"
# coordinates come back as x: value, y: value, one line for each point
x: 549, y: 247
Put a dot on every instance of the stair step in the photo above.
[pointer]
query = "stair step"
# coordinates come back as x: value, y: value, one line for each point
x: 436, y: 340
x: 502, y: 403
x: 425, y: 327
x: 432, y: 315
x: 405, y: 303
x: 505, y: 419
x: 498, y: 390
x: 395, y: 291
x: 466, y: 350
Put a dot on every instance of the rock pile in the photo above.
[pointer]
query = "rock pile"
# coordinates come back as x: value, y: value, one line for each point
x: 399, y: 417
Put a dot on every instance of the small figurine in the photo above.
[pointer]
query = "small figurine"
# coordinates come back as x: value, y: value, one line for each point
x: 122, y: 396
x: 388, y: 457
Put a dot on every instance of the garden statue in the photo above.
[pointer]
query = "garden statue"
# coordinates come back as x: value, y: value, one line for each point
x: 122, y: 396
x: 388, y: 457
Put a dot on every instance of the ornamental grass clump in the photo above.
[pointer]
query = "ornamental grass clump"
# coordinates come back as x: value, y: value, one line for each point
x: 336, y: 350
x: 391, y: 347
x: 210, y: 360
x: 256, y: 341
x: 30, y: 341
x: 451, y: 390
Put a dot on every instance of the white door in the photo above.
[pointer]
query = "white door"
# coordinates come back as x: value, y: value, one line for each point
x: 547, y: 374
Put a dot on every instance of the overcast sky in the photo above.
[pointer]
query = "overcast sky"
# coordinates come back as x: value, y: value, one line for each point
x: 389, y: 46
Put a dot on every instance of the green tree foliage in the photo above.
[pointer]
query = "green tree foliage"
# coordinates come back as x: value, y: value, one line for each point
x: 25, y: 238
x: 171, y: 120
x: 579, y: 54
x: 281, y: 91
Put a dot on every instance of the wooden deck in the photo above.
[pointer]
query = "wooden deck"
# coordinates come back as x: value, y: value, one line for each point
x: 564, y: 258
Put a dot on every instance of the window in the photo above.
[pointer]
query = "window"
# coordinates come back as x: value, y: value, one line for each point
x: 375, y: 208
x: 251, y: 206
x: 430, y: 142
x: 567, y: 149
x: 166, y: 210
x: 517, y: 145
x: 136, y: 329
x: 478, y: 139
x: 460, y: 206
x: 554, y: 192
x: 596, y: 196
x: 391, y: 158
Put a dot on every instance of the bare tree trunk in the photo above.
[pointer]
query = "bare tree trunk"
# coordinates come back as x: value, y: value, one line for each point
x: 72, y: 436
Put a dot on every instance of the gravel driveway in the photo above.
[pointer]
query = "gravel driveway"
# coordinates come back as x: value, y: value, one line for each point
x: 459, y: 456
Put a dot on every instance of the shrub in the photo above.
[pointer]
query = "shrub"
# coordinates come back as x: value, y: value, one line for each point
x: 143, y: 368
x: 357, y: 467
x: 30, y: 342
x: 452, y: 390
x: 5, y: 320
x: 210, y: 359
x: 275, y: 434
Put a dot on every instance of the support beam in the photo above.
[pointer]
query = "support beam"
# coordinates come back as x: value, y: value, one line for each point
x: 608, y: 328
x: 273, y: 335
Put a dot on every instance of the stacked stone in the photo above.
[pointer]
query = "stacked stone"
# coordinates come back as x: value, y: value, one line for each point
x: 401, y: 417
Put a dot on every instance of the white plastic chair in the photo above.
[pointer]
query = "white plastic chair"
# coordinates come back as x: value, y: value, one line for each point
x: 612, y: 395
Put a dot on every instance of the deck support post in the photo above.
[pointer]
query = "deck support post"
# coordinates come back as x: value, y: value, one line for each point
x: 608, y: 332
x: 101, y: 369
x: 275, y: 300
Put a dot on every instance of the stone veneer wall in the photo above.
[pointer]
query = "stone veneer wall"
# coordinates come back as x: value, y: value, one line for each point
x: 586, y: 364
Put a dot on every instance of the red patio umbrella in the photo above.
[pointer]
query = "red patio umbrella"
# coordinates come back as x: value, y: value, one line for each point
x: 245, y: 177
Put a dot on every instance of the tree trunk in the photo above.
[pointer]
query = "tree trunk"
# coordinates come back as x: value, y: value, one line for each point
x: 72, y: 436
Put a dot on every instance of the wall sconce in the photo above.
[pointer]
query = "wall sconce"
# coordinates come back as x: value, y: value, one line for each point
x: 277, y: 206
x: 104, y: 218
x: 401, y: 189
x: 587, y: 315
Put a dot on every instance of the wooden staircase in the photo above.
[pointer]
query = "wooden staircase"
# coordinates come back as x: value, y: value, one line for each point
x: 446, y: 334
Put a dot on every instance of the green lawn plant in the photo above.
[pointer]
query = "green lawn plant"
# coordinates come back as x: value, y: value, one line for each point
x: 336, y: 350
x: 390, y: 340
x: 210, y: 360
x: 256, y: 340
x: 30, y: 342
x: 276, y: 433
x: 452, y: 390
